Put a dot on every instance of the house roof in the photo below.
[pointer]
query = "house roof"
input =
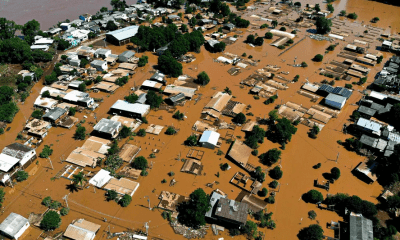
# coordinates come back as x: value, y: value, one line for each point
x: 13, y: 224
x: 360, y: 227
x: 55, y: 113
x: 210, y: 137
x: 124, y: 33
x: 344, y: 92
x: 232, y: 210
x: 107, y: 125
x: 101, y: 178
x: 7, y: 162
x: 96, y: 144
x: 131, y: 107
x: 213, y: 200
x: 122, y: 186
x: 151, y: 84
x: 240, y: 152
x: 369, y: 141
x: 97, y: 63
x: 127, y: 54
x: 16, y: 150
x: 82, y: 230
x: 128, y: 152
x: 218, y: 101
x: 335, y: 98
x: 173, y: 89
x: 366, y: 110
x: 370, y: 125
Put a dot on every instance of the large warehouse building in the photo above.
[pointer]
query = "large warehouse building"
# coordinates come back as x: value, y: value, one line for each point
x: 121, y: 36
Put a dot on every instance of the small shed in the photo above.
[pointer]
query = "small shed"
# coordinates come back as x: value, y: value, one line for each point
x: 126, y: 56
x: 209, y: 139
x: 99, y: 65
x: 14, y: 226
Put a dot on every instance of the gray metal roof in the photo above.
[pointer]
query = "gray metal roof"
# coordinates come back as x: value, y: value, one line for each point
x: 16, y: 150
x: 106, y: 125
x: 335, y: 98
x: 360, y: 228
x: 232, y: 210
x: 124, y: 33
x: 142, y: 98
x: 98, y: 63
x: 369, y: 141
x: 177, y: 97
x: 127, y: 54
x: 213, y: 200
x: 55, y: 113
x: 326, y: 88
x: 367, y: 111
x: 13, y: 224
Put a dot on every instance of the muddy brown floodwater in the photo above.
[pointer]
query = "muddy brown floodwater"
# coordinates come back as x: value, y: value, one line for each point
x: 290, y: 212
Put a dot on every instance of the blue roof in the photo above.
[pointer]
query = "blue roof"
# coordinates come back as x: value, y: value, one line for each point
x: 326, y: 88
x: 342, y: 92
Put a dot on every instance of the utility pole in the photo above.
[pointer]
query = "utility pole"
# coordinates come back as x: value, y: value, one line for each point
x: 52, y: 168
x: 337, y: 157
x: 146, y: 225
x: 66, y: 200
x: 148, y: 200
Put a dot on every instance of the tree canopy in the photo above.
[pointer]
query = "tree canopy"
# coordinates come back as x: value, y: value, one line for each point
x: 282, y: 131
x: 169, y: 65
x: 140, y: 163
x: 323, y: 25
x: 313, y: 196
x: 192, y: 212
x: 276, y: 173
x: 271, y: 157
x: 51, y: 220
x: 240, y: 118
x: 202, y: 78
x: 153, y: 99
x: 312, y: 232
x: 254, y: 137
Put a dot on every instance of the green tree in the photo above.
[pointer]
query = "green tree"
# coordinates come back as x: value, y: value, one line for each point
x: 15, y: 50
x: 342, y: 13
x: 111, y: 195
x: 313, y: 196
x: 143, y: 60
x: 317, y: 8
x: 282, y: 131
x: 312, y: 232
x: 38, y: 114
x: 313, y: 132
x: 330, y: 8
x: 125, y: 132
x: 276, y: 173
x: 323, y: 25
x: 153, y: 99
x: 46, y: 152
x: 250, y: 39
x: 29, y: 30
x: 55, y: 205
x: 263, y: 192
x: 64, y: 211
x: 169, y: 65
x: 141, y: 133
x: 352, y: 16
x: 51, y: 220
x: 63, y: 45
x: 125, y: 200
x: 335, y: 173
x: 8, y: 28
x: 80, y: 133
x: 83, y: 63
x: 78, y: 179
x: 21, y: 176
x: 111, y: 26
x: 274, y: 23
x: 259, y: 41
x: 375, y: 20
x: 250, y: 229
x: 270, y: 157
x: 192, y: 212
x: 72, y: 111
x: 47, y: 201
x: 170, y: 131
x: 259, y: 174
x: 240, y: 118
x: 178, y: 115
x: 140, y: 163
x: 191, y: 140
x: 202, y: 78
x: 318, y: 58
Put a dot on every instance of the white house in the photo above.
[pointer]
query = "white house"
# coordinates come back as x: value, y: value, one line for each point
x: 209, y: 139
x: 101, y: 178
x: 14, y: 157
x: 14, y: 226
x: 102, y: 53
x: 99, y: 65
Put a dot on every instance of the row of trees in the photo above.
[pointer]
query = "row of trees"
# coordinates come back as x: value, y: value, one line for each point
x: 8, y: 108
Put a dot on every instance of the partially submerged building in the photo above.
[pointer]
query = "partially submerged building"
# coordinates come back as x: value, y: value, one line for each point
x: 128, y: 152
x: 122, y: 186
x: 239, y: 153
x: 82, y: 229
x: 361, y: 228
x: 14, y: 226
x: 192, y: 166
x: 121, y: 36
x: 134, y: 110
x: 13, y: 158
x: 209, y: 139
x: 107, y: 128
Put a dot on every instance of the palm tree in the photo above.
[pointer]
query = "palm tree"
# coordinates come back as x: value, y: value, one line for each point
x: 78, y: 179
x: 274, y: 23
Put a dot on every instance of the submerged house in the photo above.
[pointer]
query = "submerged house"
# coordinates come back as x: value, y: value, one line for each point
x: 14, y: 226
x: 209, y: 139
x: 122, y: 36
x: 107, y: 128
x: 13, y: 158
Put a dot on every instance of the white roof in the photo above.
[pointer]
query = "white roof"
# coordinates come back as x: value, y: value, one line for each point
x: 224, y: 59
x: 7, y: 162
x: 75, y: 95
x: 336, y: 36
x: 387, y: 43
x: 374, y: 126
x: 45, y: 102
x: 101, y: 178
x: 149, y: 83
x: 378, y: 95
x: 282, y: 34
x: 44, y: 41
x: 131, y: 107
x: 210, y: 137
x: 124, y: 33
x: 40, y: 47
x: 13, y: 224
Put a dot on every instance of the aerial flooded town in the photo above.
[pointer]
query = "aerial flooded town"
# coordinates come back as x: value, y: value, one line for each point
x: 200, y: 119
